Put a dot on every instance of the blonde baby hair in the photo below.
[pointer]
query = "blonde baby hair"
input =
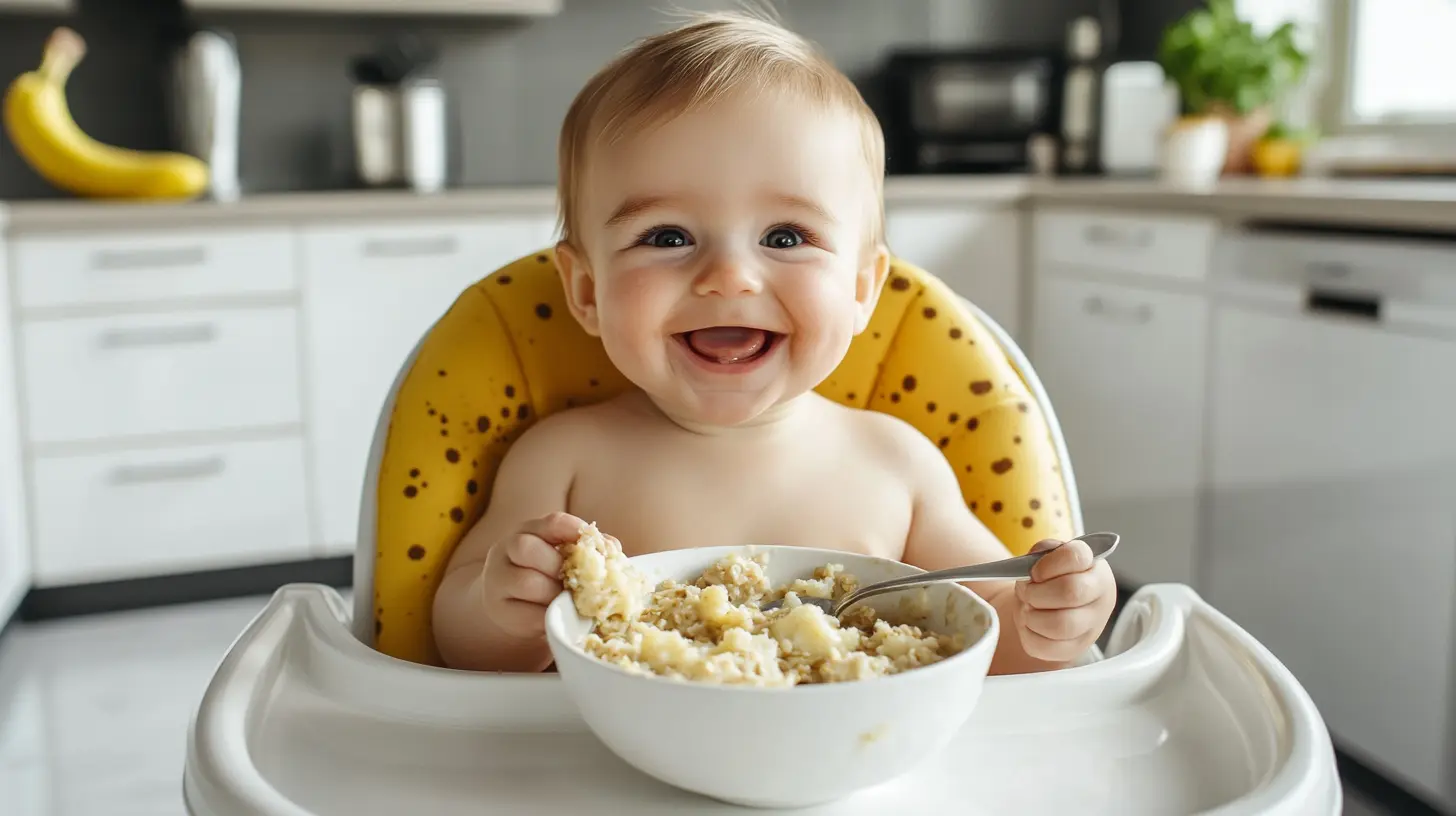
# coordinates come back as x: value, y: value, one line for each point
x: 710, y: 57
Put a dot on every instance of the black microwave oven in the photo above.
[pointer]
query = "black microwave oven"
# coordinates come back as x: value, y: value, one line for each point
x: 971, y: 111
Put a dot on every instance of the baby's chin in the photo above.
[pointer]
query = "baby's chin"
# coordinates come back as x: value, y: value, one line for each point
x: 724, y: 410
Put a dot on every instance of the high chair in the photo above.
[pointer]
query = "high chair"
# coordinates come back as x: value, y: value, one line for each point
x: 320, y: 710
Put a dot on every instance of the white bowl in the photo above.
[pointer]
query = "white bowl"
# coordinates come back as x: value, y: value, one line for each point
x: 780, y: 747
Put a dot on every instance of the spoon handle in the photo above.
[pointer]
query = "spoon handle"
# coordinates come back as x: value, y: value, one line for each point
x: 1005, y: 569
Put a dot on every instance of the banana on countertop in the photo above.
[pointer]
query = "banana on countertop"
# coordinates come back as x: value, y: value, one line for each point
x: 38, y: 120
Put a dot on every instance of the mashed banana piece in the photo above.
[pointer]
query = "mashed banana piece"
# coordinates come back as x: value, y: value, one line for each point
x: 714, y: 629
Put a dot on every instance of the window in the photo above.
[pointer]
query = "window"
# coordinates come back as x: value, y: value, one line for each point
x: 1402, y: 61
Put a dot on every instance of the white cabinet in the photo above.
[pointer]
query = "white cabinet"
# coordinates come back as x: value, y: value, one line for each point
x: 371, y: 292
x: 1332, y: 534
x: 126, y: 514
x: 1120, y: 339
x: 1125, y: 367
x: 160, y: 380
x: 975, y: 250
x: 14, y: 545
x: 173, y: 372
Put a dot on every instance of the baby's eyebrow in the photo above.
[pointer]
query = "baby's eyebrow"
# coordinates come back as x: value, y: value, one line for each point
x: 635, y: 206
x: 802, y: 203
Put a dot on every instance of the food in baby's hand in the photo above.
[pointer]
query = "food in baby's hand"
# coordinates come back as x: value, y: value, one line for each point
x: 714, y: 629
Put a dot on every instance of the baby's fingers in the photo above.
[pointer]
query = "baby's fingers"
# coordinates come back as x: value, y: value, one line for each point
x: 1068, y: 558
x: 531, y: 586
x: 1064, y: 592
x: 1074, y: 625
x: 531, y: 552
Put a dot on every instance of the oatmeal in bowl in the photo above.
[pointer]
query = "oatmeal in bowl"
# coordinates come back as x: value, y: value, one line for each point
x: 676, y: 667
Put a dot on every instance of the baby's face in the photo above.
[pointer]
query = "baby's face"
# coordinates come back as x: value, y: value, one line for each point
x: 726, y: 257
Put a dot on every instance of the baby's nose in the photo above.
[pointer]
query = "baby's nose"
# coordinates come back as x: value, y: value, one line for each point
x: 729, y: 277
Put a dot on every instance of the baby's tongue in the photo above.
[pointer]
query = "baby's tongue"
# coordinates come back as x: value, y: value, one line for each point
x: 727, y: 344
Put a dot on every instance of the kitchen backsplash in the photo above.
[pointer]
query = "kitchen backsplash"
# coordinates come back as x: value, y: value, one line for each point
x: 509, y: 81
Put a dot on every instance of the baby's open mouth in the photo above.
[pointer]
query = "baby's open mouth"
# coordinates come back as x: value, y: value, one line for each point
x: 728, y: 345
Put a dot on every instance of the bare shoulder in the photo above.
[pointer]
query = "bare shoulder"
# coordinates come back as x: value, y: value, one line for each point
x: 575, y: 429
x: 897, y: 444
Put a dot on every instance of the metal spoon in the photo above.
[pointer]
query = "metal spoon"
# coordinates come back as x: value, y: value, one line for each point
x: 1006, y: 569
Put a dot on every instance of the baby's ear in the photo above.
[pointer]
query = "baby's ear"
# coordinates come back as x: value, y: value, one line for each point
x: 580, y: 286
x: 869, y: 282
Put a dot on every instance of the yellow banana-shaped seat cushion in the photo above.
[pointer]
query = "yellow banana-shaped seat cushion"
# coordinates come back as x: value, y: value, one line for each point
x: 508, y: 351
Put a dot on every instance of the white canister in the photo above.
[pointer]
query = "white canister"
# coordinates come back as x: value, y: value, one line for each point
x: 425, y: 144
x: 1194, y: 151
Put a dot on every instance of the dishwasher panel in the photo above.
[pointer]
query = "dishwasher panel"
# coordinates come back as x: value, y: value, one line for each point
x: 1331, y: 520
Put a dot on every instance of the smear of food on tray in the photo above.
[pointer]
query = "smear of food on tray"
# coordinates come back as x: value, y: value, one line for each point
x: 714, y: 630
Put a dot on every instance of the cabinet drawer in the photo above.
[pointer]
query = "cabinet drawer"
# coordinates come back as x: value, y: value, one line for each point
x: 142, y: 267
x: 149, y: 512
x: 135, y: 375
x: 1136, y: 243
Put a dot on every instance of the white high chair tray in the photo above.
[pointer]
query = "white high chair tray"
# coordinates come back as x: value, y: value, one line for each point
x: 1188, y: 714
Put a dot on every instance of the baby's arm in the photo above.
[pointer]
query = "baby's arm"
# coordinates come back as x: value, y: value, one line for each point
x: 1060, y: 614
x: 475, y: 626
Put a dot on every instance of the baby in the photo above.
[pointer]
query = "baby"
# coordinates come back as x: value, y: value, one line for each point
x: 721, y: 190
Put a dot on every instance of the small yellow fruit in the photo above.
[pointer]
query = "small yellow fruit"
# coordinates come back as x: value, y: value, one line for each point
x: 1277, y: 158
x: 39, y: 123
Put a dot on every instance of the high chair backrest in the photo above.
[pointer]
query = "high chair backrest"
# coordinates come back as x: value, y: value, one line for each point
x: 508, y: 352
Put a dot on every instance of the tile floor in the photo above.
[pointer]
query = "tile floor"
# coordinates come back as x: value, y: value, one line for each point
x: 94, y: 711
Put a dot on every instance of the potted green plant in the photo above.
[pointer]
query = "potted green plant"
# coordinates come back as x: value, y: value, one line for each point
x: 1225, y: 69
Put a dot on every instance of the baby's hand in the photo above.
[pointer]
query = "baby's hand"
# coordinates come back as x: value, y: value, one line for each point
x: 523, y: 574
x: 1066, y: 604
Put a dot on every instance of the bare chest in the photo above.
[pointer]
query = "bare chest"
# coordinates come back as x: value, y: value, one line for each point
x: 655, y: 500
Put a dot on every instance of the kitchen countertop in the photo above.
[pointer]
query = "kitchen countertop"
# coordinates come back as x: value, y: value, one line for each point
x: 1393, y: 204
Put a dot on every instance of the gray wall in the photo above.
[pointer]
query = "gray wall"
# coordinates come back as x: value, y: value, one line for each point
x: 510, y: 81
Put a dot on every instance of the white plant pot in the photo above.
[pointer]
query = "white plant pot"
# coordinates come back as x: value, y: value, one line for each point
x: 1194, y: 152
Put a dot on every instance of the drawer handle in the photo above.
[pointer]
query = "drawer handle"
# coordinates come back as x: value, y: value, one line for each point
x: 159, y: 336
x: 418, y: 248
x: 169, y: 472
x: 1110, y: 236
x: 1137, y: 315
x: 120, y: 259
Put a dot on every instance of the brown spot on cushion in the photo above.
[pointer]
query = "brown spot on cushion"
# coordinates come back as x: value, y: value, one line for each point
x: 452, y: 456
x: 416, y: 552
x: 1000, y: 466
x: 996, y: 507
x: 543, y: 311
x: 899, y: 284
x: 410, y: 491
x: 1027, y: 522
x: 929, y: 313
x: 908, y: 383
x: 482, y: 424
x: 980, y: 387
x: 972, y: 424
x: 457, y: 515
x: 955, y: 334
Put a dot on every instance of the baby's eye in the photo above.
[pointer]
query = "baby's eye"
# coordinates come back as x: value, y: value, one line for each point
x: 783, y: 238
x: 665, y: 238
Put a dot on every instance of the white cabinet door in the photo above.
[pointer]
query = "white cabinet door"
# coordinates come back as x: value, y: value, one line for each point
x: 976, y: 251
x: 1125, y: 368
x: 1332, y: 534
x: 370, y: 294
x: 14, y: 543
